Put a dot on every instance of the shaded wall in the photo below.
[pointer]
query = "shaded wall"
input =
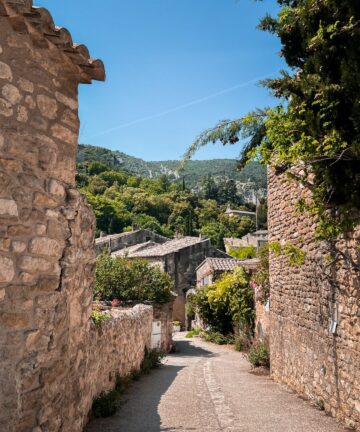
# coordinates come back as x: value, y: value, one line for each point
x: 315, y: 356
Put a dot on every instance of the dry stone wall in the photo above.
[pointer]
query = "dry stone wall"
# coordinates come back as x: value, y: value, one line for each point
x: 315, y: 310
x: 52, y: 359
x: 116, y: 348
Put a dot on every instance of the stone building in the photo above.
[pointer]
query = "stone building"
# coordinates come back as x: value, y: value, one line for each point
x: 179, y: 258
x: 212, y: 268
x: 117, y: 242
x: 53, y: 360
x: 256, y: 239
x: 315, y: 309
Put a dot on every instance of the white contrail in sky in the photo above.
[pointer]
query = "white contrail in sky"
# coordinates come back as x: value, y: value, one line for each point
x: 178, y: 108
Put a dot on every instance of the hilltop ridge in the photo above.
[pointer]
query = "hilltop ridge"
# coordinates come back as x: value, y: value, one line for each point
x: 193, y: 172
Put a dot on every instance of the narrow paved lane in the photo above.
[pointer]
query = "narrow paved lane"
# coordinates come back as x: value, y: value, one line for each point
x: 208, y: 388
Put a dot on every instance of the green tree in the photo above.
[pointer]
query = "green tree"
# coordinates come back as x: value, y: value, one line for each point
x: 96, y: 168
x: 318, y: 126
x: 97, y: 186
x: 228, y: 301
x: 216, y: 232
x: 131, y: 280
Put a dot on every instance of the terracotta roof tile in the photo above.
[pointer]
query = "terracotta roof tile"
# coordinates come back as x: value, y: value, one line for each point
x: 229, y: 264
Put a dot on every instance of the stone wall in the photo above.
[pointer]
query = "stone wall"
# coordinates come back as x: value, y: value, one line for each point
x: 315, y: 310
x: 52, y: 359
x: 116, y: 348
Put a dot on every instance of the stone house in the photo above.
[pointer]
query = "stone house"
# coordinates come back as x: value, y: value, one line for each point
x: 256, y: 239
x: 179, y: 258
x: 116, y: 242
x: 212, y: 268
x: 314, y: 311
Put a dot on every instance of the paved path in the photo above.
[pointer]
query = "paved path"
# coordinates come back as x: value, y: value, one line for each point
x: 207, y: 388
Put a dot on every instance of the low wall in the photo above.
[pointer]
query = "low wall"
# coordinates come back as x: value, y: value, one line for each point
x: 116, y: 348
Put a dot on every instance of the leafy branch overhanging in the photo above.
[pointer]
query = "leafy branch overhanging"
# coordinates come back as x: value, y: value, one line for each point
x: 316, y: 126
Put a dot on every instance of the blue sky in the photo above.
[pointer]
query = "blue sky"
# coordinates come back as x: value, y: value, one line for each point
x: 174, y: 68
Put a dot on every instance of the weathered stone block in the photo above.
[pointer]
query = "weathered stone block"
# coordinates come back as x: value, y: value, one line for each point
x: 6, y: 108
x: 45, y: 246
x: 33, y: 265
x: 26, y: 85
x: 67, y: 101
x: 5, y: 72
x: 44, y: 200
x: 7, y: 269
x: 47, y: 106
x: 11, y: 94
x: 18, y: 246
x: 15, y: 320
x: 64, y: 134
x: 57, y: 189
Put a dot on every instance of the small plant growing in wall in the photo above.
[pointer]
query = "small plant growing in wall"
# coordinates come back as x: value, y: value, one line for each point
x: 295, y: 255
x: 99, y: 317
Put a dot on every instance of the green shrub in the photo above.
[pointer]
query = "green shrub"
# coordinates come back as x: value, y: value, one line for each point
x: 152, y: 359
x: 131, y: 280
x: 259, y: 355
x: 106, y: 404
x: 193, y: 332
x: 217, y: 337
x: 230, y: 299
x: 242, y: 343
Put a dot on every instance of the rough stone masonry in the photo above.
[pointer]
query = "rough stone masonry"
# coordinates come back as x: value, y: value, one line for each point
x: 52, y: 360
x: 315, y: 309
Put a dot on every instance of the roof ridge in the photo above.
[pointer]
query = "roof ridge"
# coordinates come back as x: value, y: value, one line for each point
x: 38, y: 23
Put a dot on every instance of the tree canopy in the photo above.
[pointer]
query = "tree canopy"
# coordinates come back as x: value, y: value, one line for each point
x: 317, y: 124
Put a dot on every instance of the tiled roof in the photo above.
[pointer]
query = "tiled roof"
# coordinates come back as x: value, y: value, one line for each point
x: 38, y: 23
x: 113, y: 236
x: 133, y: 249
x: 168, y: 247
x: 228, y: 264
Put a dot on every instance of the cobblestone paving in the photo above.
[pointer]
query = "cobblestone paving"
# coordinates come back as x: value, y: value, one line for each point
x: 207, y: 388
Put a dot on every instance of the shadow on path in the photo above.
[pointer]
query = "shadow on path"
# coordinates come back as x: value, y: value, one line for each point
x: 141, y: 401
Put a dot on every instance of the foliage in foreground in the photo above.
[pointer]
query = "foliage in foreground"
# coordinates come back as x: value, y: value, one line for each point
x: 229, y: 300
x: 107, y: 403
x: 131, y: 280
x: 317, y: 127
